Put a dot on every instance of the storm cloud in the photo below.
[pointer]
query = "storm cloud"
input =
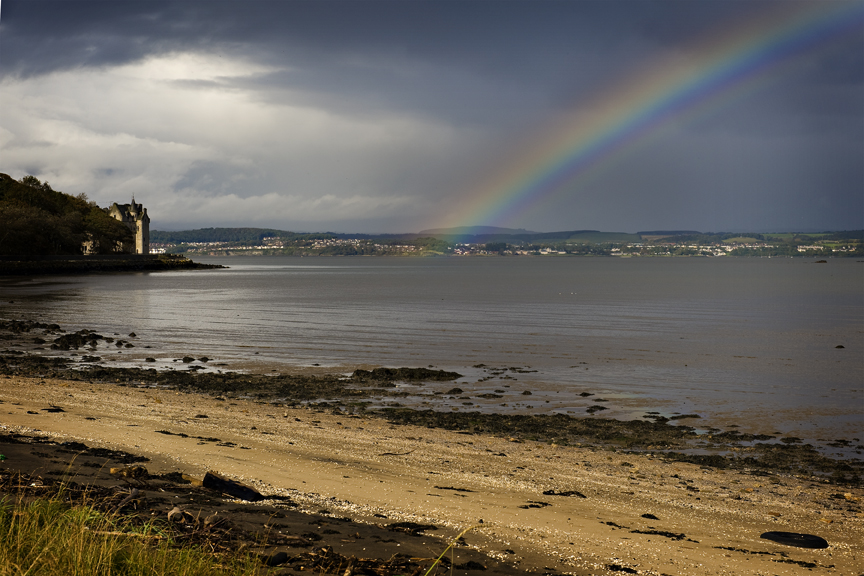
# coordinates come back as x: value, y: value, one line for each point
x: 374, y: 116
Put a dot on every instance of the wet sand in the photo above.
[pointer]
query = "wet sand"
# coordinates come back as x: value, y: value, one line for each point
x: 639, y: 514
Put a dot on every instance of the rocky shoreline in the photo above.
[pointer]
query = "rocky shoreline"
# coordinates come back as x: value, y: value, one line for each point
x: 345, y: 478
x: 96, y: 264
x: 660, y: 436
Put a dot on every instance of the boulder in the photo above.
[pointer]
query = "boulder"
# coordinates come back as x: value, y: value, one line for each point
x: 231, y: 488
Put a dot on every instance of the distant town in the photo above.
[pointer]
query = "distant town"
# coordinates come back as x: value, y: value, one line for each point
x: 265, y: 242
x: 38, y: 221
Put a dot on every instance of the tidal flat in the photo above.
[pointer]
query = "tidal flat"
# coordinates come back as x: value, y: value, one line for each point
x: 555, y: 493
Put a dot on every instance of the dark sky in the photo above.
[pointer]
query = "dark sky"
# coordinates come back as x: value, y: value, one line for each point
x: 378, y: 116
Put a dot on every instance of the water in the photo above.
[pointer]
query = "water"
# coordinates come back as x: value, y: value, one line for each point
x: 744, y: 341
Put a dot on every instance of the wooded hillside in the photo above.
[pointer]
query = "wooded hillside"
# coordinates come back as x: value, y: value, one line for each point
x: 38, y: 220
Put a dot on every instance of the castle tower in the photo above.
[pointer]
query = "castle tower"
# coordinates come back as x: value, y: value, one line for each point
x: 136, y: 218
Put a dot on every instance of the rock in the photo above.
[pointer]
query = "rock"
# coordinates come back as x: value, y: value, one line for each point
x: 148, y: 359
x: 454, y: 391
x: 132, y: 335
x: 404, y: 374
x: 235, y: 489
x: 793, y: 539
x: 650, y: 516
x: 192, y: 480
x: 839, y: 346
x: 203, y: 359
x: 526, y: 393
x: 274, y: 559
x: 188, y: 359
x: 130, y: 472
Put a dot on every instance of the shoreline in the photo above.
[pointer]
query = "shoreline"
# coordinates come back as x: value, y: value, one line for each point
x: 376, y: 393
x: 579, y: 510
x: 577, y: 495
x: 61, y: 265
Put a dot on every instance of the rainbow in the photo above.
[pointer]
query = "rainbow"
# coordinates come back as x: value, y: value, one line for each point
x: 563, y: 156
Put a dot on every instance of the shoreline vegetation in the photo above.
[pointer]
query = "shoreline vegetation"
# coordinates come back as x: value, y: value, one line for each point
x: 349, y: 489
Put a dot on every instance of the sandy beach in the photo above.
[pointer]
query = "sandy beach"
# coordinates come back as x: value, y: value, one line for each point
x: 578, y: 510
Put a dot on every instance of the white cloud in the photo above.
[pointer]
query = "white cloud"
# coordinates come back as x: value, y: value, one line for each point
x: 187, y: 136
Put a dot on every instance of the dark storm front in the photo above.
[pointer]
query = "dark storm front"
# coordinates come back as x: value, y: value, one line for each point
x: 747, y: 341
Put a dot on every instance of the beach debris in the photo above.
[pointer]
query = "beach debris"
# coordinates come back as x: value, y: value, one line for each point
x: 214, y: 520
x: 235, y: 489
x: 179, y: 516
x: 534, y: 504
x: 620, y: 568
x: 134, y: 494
x: 412, y: 528
x: 664, y: 533
x: 564, y: 493
x: 453, y: 488
x: 795, y: 539
x: 130, y: 472
x: 396, y: 453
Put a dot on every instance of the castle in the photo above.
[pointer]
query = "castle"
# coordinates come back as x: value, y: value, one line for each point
x: 136, y: 218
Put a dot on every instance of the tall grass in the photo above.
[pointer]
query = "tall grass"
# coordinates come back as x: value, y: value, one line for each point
x: 50, y: 537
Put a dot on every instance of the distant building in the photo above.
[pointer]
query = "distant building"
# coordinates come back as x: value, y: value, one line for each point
x: 136, y: 218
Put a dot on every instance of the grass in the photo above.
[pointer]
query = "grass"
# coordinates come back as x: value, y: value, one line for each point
x: 47, y: 536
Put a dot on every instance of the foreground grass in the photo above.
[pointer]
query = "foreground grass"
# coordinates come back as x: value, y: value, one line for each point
x: 48, y: 537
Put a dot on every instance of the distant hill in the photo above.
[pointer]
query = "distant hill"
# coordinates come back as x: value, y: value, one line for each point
x: 473, y: 231
x: 244, y: 235
x: 526, y: 237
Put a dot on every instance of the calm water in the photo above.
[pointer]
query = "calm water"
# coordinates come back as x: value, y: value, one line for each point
x: 745, y: 341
